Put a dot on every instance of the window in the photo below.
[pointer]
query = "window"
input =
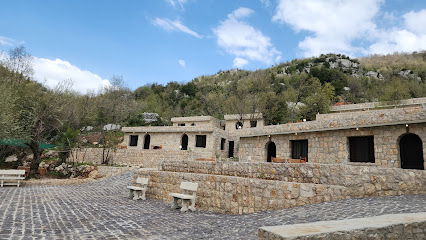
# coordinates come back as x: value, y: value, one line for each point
x: 146, y: 141
x: 133, y: 140
x: 299, y: 149
x: 253, y: 124
x: 231, y: 149
x: 238, y: 125
x: 222, y: 144
x: 181, y: 124
x: 200, y: 141
x: 192, y: 124
x: 361, y: 149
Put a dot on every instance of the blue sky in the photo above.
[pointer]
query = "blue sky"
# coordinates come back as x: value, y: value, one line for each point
x: 158, y: 41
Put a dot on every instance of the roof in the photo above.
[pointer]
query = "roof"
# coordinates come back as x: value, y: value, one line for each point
x: 168, y: 129
x: 254, y: 116
x: 193, y: 119
x: 351, y: 120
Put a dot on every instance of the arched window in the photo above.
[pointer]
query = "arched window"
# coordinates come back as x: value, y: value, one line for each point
x: 146, y: 141
x: 239, y: 125
x: 184, y: 142
x: 271, y: 151
x: 411, y: 152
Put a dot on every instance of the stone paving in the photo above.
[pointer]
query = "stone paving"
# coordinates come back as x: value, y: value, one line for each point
x: 101, y: 210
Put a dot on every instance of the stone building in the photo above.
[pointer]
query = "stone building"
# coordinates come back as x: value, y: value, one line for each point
x: 370, y: 134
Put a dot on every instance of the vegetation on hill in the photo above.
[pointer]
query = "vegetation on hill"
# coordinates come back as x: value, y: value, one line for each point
x: 290, y: 91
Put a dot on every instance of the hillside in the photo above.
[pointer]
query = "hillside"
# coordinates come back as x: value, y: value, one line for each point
x: 292, y: 90
x: 286, y: 92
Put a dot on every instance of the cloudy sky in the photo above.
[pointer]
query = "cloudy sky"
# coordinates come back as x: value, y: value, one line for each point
x: 158, y: 41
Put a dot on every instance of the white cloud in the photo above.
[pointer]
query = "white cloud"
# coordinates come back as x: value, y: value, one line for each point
x: 349, y: 27
x: 53, y: 72
x: 416, y: 21
x: 182, y: 63
x: 334, y: 24
x: 175, y: 3
x: 411, y: 37
x: 266, y: 3
x: 5, y: 41
x: 176, y: 25
x: 243, y: 41
x: 240, y: 62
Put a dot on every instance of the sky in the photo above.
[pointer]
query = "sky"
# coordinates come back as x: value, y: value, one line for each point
x: 159, y: 41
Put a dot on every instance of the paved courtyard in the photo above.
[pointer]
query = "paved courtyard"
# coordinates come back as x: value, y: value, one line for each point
x: 101, y: 210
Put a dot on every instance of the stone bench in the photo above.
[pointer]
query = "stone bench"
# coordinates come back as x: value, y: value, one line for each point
x: 11, y: 177
x: 391, y: 226
x: 138, y: 190
x: 187, y: 197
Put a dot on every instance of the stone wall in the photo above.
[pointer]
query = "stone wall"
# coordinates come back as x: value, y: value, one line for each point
x: 365, y: 119
x: 237, y: 195
x: 332, y: 146
x: 374, y: 105
x: 137, y: 157
x: 360, y: 181
x: 389, y: 227
x: 233, y: 187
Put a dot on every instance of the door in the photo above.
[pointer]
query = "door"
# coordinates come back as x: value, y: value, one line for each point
x: 271, y: 149
x: 411, y: 152
x: 184, y: 142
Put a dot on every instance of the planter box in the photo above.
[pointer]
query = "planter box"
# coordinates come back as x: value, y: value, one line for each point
x: 278, y: 160
x: 42, y: 171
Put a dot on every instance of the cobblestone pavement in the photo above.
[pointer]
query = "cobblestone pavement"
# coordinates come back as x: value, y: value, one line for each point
x: 101, y: 210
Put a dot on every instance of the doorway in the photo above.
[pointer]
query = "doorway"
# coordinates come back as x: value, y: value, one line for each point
x: 184, y: 142
x: 146, y: 141
x: 271, y: 149
x: 231, y: 149
x: 411, y: 152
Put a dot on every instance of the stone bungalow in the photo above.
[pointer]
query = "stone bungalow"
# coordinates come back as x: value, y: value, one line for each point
x: 366, y: 134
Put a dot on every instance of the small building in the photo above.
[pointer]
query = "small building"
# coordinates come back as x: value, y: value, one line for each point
x: 201, y: 136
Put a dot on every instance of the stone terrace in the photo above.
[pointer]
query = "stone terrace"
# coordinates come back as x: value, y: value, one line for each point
x: 101, y: 210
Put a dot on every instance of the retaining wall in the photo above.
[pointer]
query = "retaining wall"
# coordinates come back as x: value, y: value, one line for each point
x: 361, y: 181
x: 238, y: 195
x: 137, y: 157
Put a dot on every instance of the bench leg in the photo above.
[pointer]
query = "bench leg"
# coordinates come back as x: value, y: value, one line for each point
x: 143, y: 197
x: 131, y: 194
x: 18, y: 182
x: 2, y: 183
x: 192, y: 207
x: 175, y: 203
x: 136, y: 195
x: 184, y: 205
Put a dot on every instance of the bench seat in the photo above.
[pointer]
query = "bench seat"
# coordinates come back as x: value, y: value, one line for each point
x: 187, y: 196
x: 135, y: 188
x: 12, y: 178
x: 182, y: 196
x: 138, y: 190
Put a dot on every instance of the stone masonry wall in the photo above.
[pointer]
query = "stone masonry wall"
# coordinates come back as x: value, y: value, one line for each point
x: 237, y: 195
x: 136, y: 157
x: 360, y: 181
x: 332, y: 146
x: 233, y: 187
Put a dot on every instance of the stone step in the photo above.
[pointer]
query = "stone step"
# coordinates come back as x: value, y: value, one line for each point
x: 391, y: 226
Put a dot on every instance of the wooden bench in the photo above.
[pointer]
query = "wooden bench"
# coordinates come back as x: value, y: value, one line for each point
x: 138, y: 190
x: 11, y: 177
x: 187, y: 197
